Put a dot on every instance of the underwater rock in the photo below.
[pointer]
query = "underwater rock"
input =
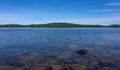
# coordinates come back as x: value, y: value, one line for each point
x: 57, y: 67
x: 65, y: 55
x: 82, y: 51
x: 81, y: 61
x: 76, y: 67
x: 25, y: 53
x: 39, y: 68
x: 50, y: 62
x: 29, y: 60
x: 105, y: 63
x: 93, y: 62
x: 10, y: 68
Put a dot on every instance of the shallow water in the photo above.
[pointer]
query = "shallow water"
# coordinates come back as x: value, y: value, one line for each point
x: 32, y: 47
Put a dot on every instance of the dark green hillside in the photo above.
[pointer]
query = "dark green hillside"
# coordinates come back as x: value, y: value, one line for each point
x: 56, y: 25
x: 114, y: 25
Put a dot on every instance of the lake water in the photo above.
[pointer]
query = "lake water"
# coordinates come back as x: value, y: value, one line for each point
x: 47, y: 47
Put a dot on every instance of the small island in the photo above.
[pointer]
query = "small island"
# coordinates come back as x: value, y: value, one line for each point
x: 57, y: 25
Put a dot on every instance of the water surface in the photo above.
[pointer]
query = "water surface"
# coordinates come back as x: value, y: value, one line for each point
x: 58, y: 46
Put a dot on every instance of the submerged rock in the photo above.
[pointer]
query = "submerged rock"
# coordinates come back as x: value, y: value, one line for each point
x: 76, y: 67
x: 25, y: 53
x: 105, y: 63
x: 10, y: 68
x: 57, y: 67
x: 82, y: 51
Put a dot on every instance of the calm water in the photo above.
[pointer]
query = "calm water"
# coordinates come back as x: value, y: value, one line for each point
x: 50, y: 46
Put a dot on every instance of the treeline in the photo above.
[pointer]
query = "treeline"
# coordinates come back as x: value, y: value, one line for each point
x: 56, y: 25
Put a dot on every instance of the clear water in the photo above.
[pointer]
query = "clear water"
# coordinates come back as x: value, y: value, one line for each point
x: 50, y: 46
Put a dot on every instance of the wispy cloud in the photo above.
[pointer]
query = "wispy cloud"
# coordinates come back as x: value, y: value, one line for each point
x: 104, y: 10
x: 101, y: 20
x: 113, y: 4
x: 97, y: 20
x: 7, y: 19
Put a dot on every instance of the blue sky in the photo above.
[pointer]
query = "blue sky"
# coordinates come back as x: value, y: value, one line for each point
x: 103, y: 12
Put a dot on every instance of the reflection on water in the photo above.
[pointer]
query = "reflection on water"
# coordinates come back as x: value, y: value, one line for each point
x: 55, y: 49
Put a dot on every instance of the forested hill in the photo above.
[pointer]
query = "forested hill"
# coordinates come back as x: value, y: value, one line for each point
x: 56, y: 25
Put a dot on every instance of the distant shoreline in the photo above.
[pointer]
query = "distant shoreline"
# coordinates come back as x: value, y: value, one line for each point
x: 58, y: 25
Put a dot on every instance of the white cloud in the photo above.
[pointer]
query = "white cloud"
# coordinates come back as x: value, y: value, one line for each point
x: 101, y: 20
x: 104, y: 10
x: 97, y: 20
x: 7, y: 18
x: 113, y: 4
